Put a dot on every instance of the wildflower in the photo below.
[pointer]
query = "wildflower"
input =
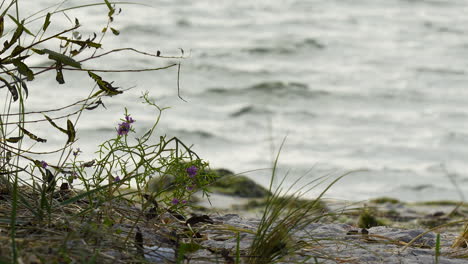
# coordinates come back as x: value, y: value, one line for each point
x: 44, y: 164
x: 129, y: 119
x: 184, y: 201
x: 190, y: 188
x: 123, y: 129
x: 116, y: 179
x: 175, y: 201
x: 192, y: 171
x: 75, y: 153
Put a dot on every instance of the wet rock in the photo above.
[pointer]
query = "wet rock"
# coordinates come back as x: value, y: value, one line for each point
x: 238, y: 185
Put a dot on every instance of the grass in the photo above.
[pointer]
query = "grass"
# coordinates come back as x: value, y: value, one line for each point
x: 282, y: 218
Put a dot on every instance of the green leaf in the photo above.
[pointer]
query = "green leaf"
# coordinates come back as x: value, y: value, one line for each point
x: 23, y: 69
x: 70, y: 131
x: 40, y: 52
x: 2, y: 25
x: 186, y: 248
x: 32, y: 136
x: 108, y: 4
x: 46, y: 22
x: 59, y: 57
x: 103, y: 85
x: 11, y: 88
x: 55, y: 125
x: 59, y: 76
x: 21, y: 82
x: 115, y: 31
x: 7, y: 44
x: 14, y: 139
x: 17, y: 50
x: 81, y: 43
x: 21, y: 24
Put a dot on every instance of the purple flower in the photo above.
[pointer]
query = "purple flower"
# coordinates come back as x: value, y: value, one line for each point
x: 190, y: 188
x: 192, y: 171
x: 44, y: 164
x: 184, y: 201
x: 75, y: 153
x: 123, y: 129
x: 175, y: 201
x: 129, y: 119
x: 116, y: 179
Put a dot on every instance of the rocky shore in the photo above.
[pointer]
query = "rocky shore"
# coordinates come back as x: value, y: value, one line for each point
x: 378, y: 231
x: 226, y: 228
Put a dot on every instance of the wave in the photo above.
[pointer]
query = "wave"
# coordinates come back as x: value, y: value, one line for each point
x: 442, y: 71
x: 196, y: 133
x: 287, y: 49
x: 442, y: 29
x: 249, y: 109
x: 273, y: 87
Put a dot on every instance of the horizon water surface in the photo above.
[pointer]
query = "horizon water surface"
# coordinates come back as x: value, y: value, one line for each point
x: 377, y: 87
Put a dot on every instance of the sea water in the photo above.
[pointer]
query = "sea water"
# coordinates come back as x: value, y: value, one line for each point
x: 377, y: 88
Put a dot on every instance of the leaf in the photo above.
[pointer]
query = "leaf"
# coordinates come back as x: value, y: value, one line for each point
x: 21, y: 24
x: 59, y: 76
x: 14, y: 139
x: 17, y: 50
x: 40, y: 52
x: 108, y: 4
x: 59, y: 57
x: 2, y: 25
x: 96, y: 104
x: 103, y: 85
x: 115, y: 31
x: 50, y: 179
x: 199, y: 219
x: 186, y: 248
x: 70, y: 131
x: 46, y: 22
x: 23, y: 69
x: 55, y: 125
x: 20, y: 81
x: 104, y: 30
x: 18, y: 32
x: 11, y: 88
x: 32, y: 136
x: 81, y: 43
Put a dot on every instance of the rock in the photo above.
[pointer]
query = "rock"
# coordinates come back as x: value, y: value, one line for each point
x: 158, y: 184
x: 238, y: 185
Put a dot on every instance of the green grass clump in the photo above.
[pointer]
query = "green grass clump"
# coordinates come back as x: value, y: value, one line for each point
x: 382, y: 200
x: 283, y: 217
x: 367, y: 219
x: 441, y: 203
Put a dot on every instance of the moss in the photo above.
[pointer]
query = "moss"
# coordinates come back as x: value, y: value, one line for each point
x: 382, y: 200
x: 239, y: 186
x: 292, y: 203
x: 441, y: 203
x: 368, y: 220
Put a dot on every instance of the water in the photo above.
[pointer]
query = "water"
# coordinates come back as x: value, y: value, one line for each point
x: 377, y: 86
